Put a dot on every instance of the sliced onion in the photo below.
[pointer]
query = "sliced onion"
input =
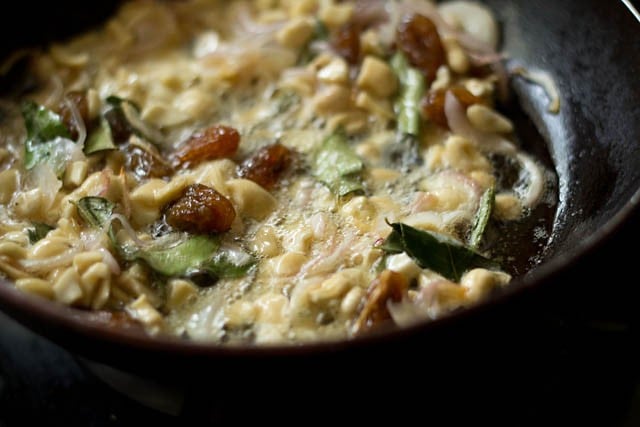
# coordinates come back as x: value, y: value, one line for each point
x: 460, y: 125
x: 547, y: 83
x: 56, y: 94
x: 110, y: 261
x: 530, y: 194
x: 43, y: 178
x: 436, y: 221
x: 92, y: 241
x: 49, y: 264
x: 126, y: 226
x: 327, y: 261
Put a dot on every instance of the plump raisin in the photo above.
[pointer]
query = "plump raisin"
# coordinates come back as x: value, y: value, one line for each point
x: 201, y: 210
x: 346, y: 42
x: 266, y: 165
x: 433, y: 103
x: 78, y: 100
x: 389, y: 286
x: 417, y: 37
x: 145, y: 164
x: 121, y: 130
x: 215, y: 142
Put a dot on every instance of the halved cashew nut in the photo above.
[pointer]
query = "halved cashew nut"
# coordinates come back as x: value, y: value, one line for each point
x: 472, y: 18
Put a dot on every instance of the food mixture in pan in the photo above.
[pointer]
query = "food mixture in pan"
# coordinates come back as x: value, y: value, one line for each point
x: 264, y: 171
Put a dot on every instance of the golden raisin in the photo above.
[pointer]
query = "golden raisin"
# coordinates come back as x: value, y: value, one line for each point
x: 79, y: 100
x: 346, y: 42
x: 433, y: 103
x: 388, y: 286
x: 266, y: 165
x: 417, y: 37
x: 215, y: 142
x: 201, y: 210
x: 145, y: 164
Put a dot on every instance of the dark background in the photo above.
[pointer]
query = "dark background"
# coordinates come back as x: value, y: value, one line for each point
x: 565, y: 354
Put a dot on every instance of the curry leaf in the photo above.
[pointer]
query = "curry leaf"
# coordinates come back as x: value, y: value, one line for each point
x: 42, y: 124
x: 45, y: 136
x: 96, y: 211
x: 230, y: 263
x: 186, y: 257
x: 482, y: 217
x: 412, y: 88
x: 194, y: 256
x: 438, y: 252
x: 171, y: 257
x: 38, y: 232
x: 393, y: 244
x: 101, y: 139
x: 117, y: 101
x: 337, y: 166
x: 56, y: 154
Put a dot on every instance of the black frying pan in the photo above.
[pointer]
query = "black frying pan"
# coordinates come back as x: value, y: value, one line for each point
x: 591, y: 48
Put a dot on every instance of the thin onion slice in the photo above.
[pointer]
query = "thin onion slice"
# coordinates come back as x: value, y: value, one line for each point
x: 532, y: 193
x: 545, y: 81
x: 460, y: 125
x: 49, y: 264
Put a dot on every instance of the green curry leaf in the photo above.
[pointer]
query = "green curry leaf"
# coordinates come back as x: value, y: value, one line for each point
x: 337, y: 166
x: 412, y: 89
x: 42, y: 124
x: 101, y: 139
x: 96, y: 211
x: 44, y: 128
x: 230, y: 264
x: 438, y: 252
x: 38, y: 232
x: 180, y: 260
x: 482, y: 217
x: 175, y: 256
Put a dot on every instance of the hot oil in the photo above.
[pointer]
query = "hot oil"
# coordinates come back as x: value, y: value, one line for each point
x: 520, y: 245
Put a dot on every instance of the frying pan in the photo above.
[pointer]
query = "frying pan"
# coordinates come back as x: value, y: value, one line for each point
x: 592, y: 50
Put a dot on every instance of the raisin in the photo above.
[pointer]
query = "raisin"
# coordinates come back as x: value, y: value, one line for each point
x: 346, y: 42
x: 388, y: 286
x: 215, y: 142
x: 79, y: 101
x: 121, y: 130
x: 433, y: 103
x: 145, y: 164
x: 266, y: 165
x: 417, y: 37
x: 201, y: 210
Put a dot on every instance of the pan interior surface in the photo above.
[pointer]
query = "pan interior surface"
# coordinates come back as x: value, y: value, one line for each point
x: 591, y: 51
